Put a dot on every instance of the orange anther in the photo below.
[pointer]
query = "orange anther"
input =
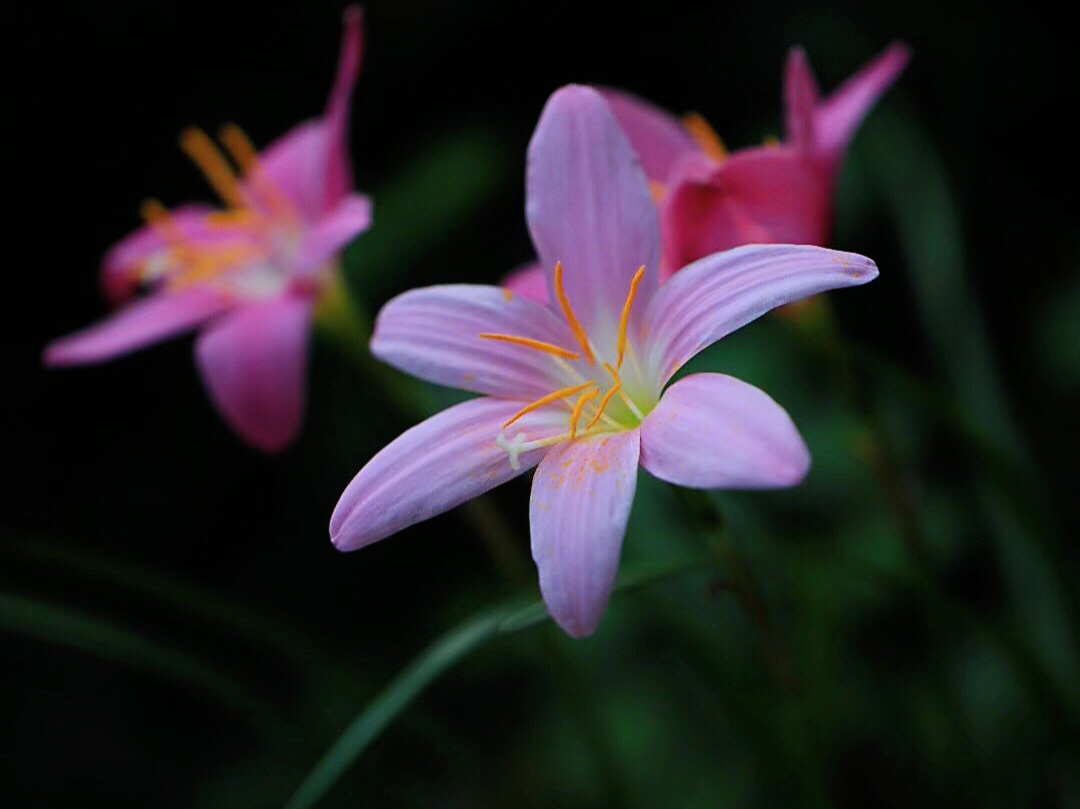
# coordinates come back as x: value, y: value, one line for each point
x: 705, y: 135
x: 571, y: 318
x: 528, y: 342
x: 204, y: 154
x: 624, y: 319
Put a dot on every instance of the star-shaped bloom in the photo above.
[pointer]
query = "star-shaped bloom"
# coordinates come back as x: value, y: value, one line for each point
x: 579, y: 388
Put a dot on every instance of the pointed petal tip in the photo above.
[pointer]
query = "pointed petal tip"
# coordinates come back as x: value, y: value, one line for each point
x: 575, y: 627
x: 866, y: 269
x: 796, y: 56
x: 55, y: 355
x: 899, y: 52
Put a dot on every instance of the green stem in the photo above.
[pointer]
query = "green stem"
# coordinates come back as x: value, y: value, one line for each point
x: 740, y: 581
x: 428, y: 666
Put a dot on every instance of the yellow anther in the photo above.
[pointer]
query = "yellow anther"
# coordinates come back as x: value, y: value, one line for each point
x: 239, y: 146
x: 571, y: 318
x: 771, y: 141
x: 231, y: 218
x: 243, y: 153
x: 603, y: 403
x: 705, y: 135
x: 204, y: 154
x: 528, y: 342
x: 562, y: 393
x: 210, y: 265
x: 158, y: 217
x: 579, y: 405
x: 624, y: 319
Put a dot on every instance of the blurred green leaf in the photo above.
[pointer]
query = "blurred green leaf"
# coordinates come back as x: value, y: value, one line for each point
x: 431, y: 663
x: 60, y: 625
x: 427, y: 202
x: 910, y: 172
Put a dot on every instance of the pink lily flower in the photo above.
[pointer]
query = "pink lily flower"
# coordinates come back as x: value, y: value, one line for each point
x: 577, y: 388
x: 712, y: 200
x: 247, y: 276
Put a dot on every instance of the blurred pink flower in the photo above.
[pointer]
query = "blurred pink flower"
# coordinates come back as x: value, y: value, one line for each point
x: 710, y: 200
x: 577, y: 387
x: 247, y: 275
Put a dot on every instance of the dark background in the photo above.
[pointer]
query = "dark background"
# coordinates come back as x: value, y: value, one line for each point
x: 175, y: 627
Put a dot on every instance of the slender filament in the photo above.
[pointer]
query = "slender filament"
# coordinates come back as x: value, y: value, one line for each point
x: 554, y: 396
x: 603, y: 403
x: 579, y: 405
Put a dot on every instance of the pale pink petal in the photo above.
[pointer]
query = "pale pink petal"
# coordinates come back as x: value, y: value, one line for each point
x: 839, y: 116
x: 588, y: 206
x: 309, y: 164
x: 434, y: 333
x: 339, y: 106
x: 440, y: 463
x: 711, y: 431
x: 723, y: 292
x: 656, y: 135
x: 334, y: 231
x: 800, y: 99
x: 122, y: 262
x: 530, y: 281
x: 137, y: 325
x: 756, y: 196
x: 581, y: 499
x: 254, y: 366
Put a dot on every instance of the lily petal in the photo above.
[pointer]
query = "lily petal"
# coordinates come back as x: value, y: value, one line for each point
x: 434, y: 333
x: 436, y: 465
x: 801, y: 97
x: 581, y: 498
x: 756, y: 196
x: 656, y: 135
x: 530, y: 281
x: 334, y: 231
x: 723, y: 292
x: 144, y: 322
x: 588, y: 206
x: 838, y: 117
x: 254, y: 366
x: 339, y: 105
x: 711, y: 431
x: 309, y: 164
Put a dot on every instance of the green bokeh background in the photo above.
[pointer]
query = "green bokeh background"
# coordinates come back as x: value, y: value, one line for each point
x: 177, y: 631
